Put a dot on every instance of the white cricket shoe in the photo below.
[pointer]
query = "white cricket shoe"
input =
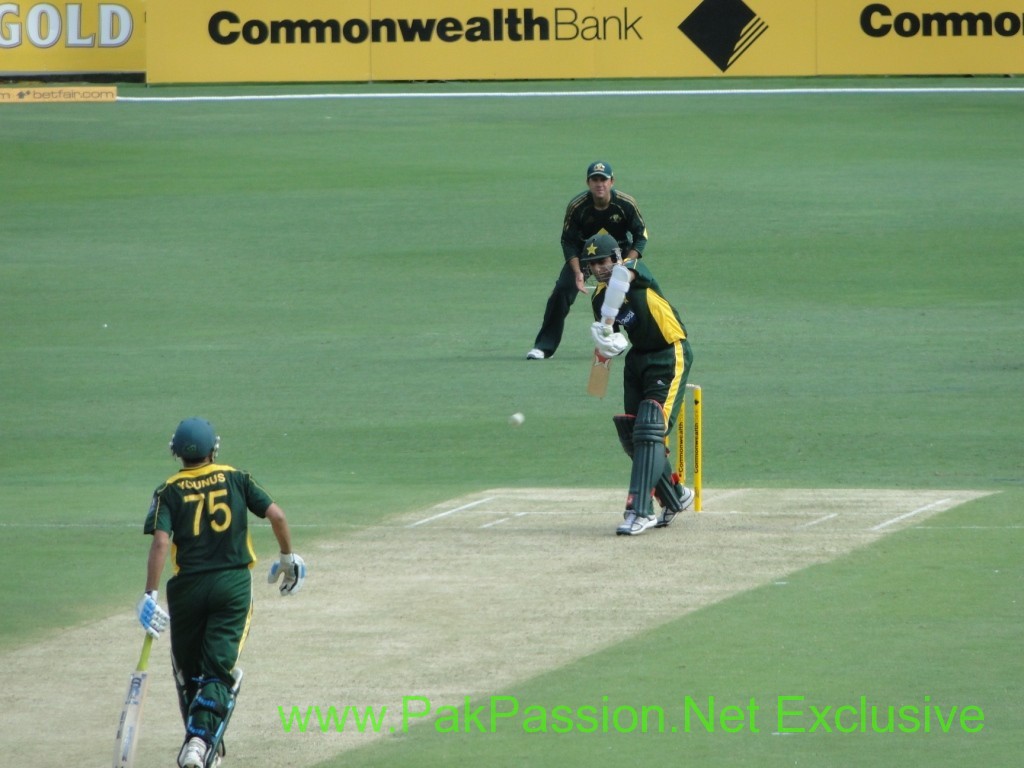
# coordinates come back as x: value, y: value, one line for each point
x: 635, y: 524
x: 535, y: 354
x: 193, y: 755
x: 686, y: 497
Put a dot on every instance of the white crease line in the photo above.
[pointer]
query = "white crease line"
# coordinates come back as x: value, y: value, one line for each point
x: 913, y: 512
x: 819, y: 520
x: 503, y: 520
x: 727, y: 495
x: 451, y: 511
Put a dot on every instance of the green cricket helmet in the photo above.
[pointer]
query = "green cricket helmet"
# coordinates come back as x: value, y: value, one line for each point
x: 597, y: 248
x: 194, y: 439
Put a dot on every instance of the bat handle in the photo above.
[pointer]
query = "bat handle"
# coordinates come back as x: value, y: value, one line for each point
x: 147, y: 646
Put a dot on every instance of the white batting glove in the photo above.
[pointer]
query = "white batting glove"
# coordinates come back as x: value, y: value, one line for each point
x: 613, y: 346
x: 601, y: 331
x: 152, y: 617
x: 291, y: 570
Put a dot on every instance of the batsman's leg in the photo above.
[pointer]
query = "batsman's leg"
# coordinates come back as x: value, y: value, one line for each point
x: 186, y: 691
x: 209, y: 714
x: 648, y: 465
x: 624, y: 426
x: 671, y: 492
x: 672, y: 496
x: 217, y: 749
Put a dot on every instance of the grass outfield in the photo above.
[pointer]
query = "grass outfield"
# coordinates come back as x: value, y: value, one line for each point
x: 347, y: 289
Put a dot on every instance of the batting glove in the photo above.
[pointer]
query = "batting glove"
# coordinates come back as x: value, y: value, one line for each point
x: 600, y: 331
x: 612, y: 346
x: 291, y: 570
x: 152, y: 617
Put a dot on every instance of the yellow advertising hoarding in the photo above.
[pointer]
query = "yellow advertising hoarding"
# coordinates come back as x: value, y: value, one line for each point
x: 366, y: 40
x: 920, y: 37
x: 407, y: 40
x: 64, y: 94
x: 256, y: 41
x: 611, y: 39
x: 79, y: 38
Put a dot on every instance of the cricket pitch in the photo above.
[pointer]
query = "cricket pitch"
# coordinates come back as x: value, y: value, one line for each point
x: 464, y: 598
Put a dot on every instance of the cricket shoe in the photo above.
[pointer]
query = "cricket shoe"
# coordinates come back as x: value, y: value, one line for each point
x: 635, y: 524
x: 193, y: 754
x: 686, y: 496
x: 535, y: 354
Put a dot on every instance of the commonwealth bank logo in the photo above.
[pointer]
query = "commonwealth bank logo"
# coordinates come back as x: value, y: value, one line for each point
x: 723, y: 30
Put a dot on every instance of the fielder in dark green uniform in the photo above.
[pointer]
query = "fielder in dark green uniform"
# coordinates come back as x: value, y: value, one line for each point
x: 600, y: 210
x: 654, y: 376
x: 200, y: 515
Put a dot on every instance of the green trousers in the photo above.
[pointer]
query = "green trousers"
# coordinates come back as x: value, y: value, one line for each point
x: 210, y: 614
x: 657, y: 376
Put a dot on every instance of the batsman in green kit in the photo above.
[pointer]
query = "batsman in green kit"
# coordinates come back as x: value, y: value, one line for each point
x: 654, y: 377
x: 200, y: 517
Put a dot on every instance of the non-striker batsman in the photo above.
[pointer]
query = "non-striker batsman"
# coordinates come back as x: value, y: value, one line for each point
x: 200, y: 515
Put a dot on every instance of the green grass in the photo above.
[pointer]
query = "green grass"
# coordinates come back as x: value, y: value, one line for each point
x: 347, y: 289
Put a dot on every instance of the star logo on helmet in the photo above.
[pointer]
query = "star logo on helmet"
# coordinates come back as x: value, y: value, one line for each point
x: 592, y: 249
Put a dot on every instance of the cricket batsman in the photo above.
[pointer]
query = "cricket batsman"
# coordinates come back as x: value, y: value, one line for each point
x: 200, y: 516
x: 655, y: 370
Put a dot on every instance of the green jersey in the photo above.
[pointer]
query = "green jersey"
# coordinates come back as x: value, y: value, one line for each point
x: 204, y: 511
x: 621, y: 219
x: 651, y: 323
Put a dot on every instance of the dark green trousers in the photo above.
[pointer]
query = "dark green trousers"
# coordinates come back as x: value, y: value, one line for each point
x: 210, y: 614
x: 657, y: 376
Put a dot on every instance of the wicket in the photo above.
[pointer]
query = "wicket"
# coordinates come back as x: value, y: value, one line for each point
x: 695, y: 393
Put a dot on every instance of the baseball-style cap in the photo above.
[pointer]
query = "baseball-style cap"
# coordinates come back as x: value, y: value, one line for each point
x: 599, y: 169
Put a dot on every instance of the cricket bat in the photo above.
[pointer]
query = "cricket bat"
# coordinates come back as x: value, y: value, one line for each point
x: 131, y: 715
x: 600, y: 370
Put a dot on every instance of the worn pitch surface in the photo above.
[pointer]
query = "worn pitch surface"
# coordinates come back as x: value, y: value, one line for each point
x: 464, y: 598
